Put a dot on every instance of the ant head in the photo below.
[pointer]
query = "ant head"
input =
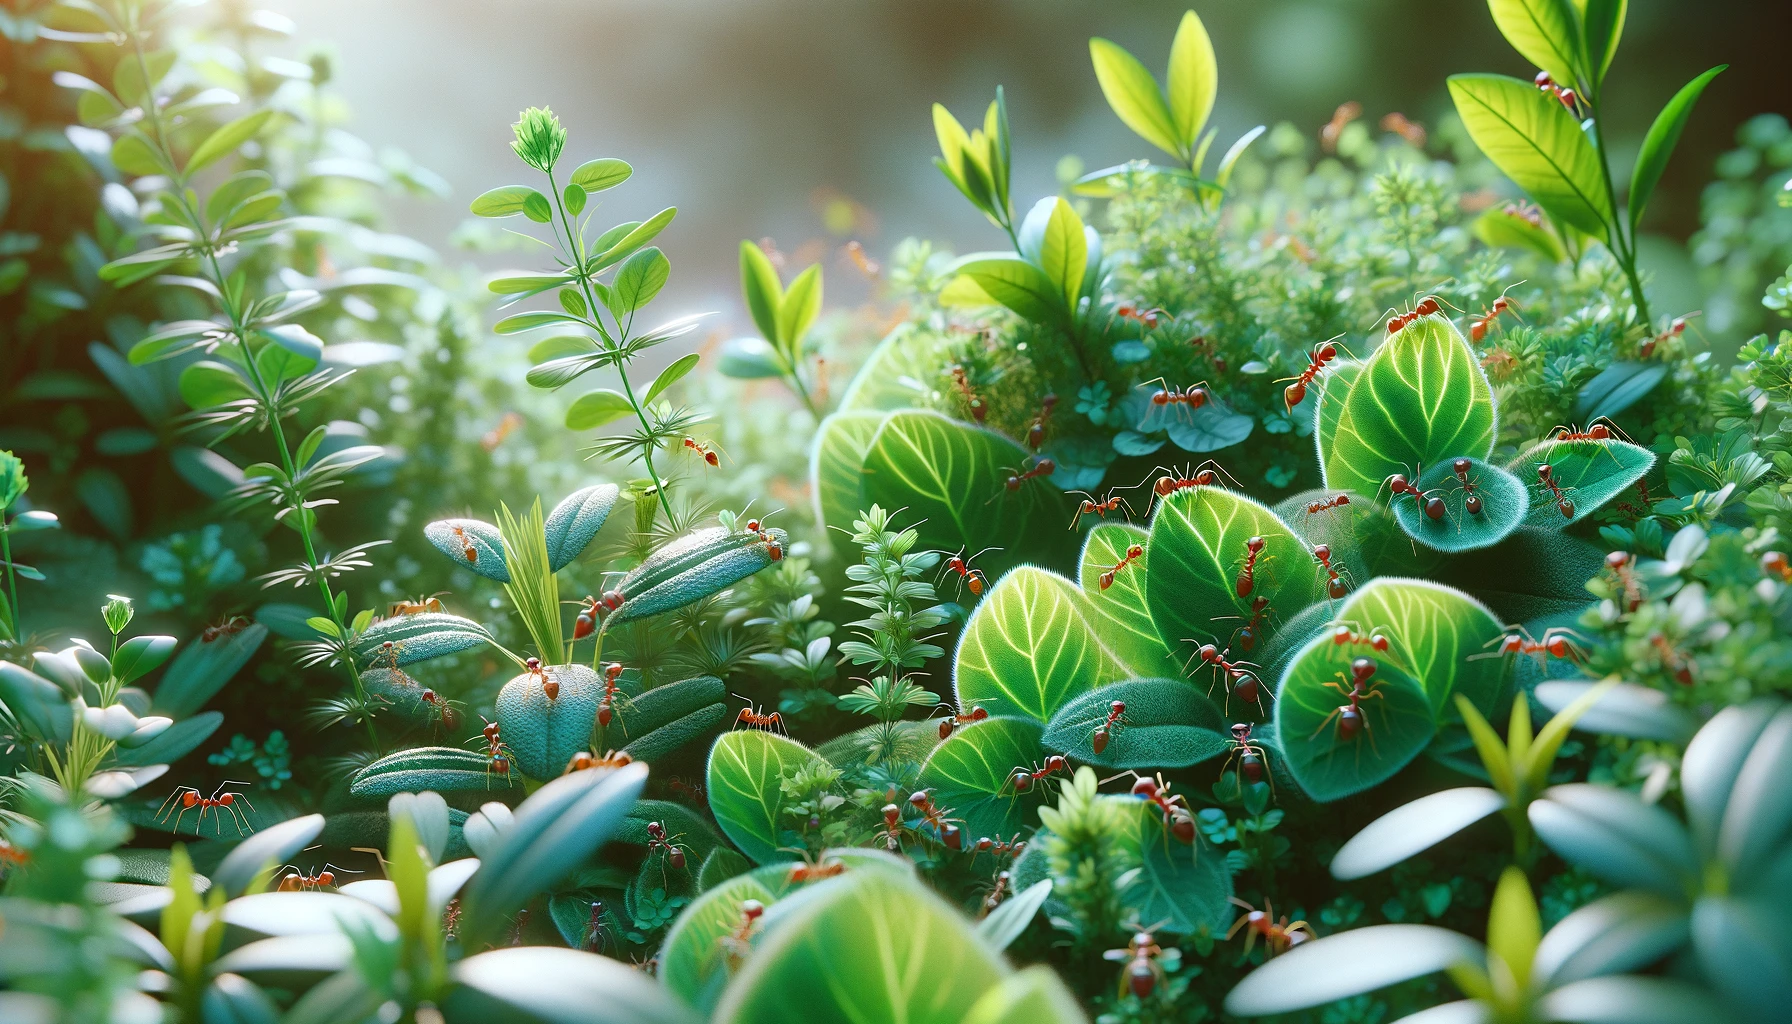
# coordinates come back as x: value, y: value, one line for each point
x: 1361, y: 669
x: 1254, y: 544
x: 1241, y: 731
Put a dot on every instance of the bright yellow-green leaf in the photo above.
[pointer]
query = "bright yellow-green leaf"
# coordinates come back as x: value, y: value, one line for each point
x: 1603, y: 22
x: 1513, y: 927
x: 226, y: 139
x: 1544, y: 32
x: 1542, y: 753
x: 1064, y: 252
x: 1503, y: 228
x: 1135, y: 97
x: 596, y: 408
x: 759, y: 285
x: 1538, y: 144
x: 1494, y: 755
x: 1194, y: 79
x: 1659, y: 144
x: 800, y: 305
x: 133, y: 154
x: 670, y: 376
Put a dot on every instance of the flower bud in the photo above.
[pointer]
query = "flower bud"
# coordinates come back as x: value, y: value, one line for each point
x: 117, y: 611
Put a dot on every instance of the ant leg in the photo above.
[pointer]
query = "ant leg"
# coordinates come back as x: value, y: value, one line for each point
x: 1328, y: 720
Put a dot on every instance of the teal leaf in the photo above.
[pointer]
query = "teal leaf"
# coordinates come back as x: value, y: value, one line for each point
x: 575, y: 521
x: 1590, y: 473
x: 477, y: 545
x: 1504, y: 504
x: 1168, y: 723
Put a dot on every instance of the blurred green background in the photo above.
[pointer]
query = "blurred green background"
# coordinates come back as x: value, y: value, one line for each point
x: 774, y: 117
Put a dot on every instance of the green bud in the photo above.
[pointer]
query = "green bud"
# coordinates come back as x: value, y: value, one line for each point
x: 118, y: 612
x: 539, y: 138
x: 12, y: 479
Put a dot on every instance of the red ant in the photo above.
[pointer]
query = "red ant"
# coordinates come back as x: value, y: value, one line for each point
x: 1279, y: 938
x: 1562, y: 93
x: 1251, y: 757
x: 1343, y: 635
x: 1146, y: 318
x: 1104, y: 731
x: 738, y: 944
x: 1013, y: 847
x: 297, y: 881
x: 1024, y: 778
x: 596, y: 935
x: 1142, y: 971
x: 1773, y: 563
x: 1036, y: 429
x: 967, y: 576
x: 1564, y: 504
x: 658, y: 840
x: 229, y: 626
x: 950, y: 834
x: 1247, y: 577
x: 1091, y: 507
x: 1429, y: 501
x: 612, y: 674
x: 707, y: 451
x: 1555, y: 644
x: 1623, y: 566
x: 585, y: 761
x: 1471, y: 502
x: 952, y: 722
x: 692, y: 791
x: 1177, y: 821
x: 432, y: 603
x: 998, y: 891
x: 1245, y: 636
x: 810, y: 870
x: 468, y: 551
x: 186, y: 798
x: 550, y: 687
x: 1478, y: 329
x: 1362, y: 687
x: 1039, y: 467
x: 1133, y: 554
x: 1243, y: 682
x: 1337, y: 576
x: 1317, y: 507
x: 893, y: 828
x: 1207, y: 474
x: 1672, y: 659
x: 963, y: 382
x: 595, y: 609
x: 498, y: 753
x: 1674, y: 330
x: 751, y: 717
x: 1426, y: 307
x: 1169, y: 403
x: 1595, y: 432
x: 1293, y: 394
x: 450, y: 717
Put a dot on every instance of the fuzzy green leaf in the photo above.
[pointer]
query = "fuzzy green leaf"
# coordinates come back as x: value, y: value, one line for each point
x: 1504, y: 505
x: 456, y: 538
x: 1169, y: 723
x: 575, y: 521
x: 544, y: 733
x: 1590, y: 474
x: 1027, y: 648
x: 718, y: 562
x: 417, y: 638
x: 970, y: 775
x: 746, y: 770
x: 1120, y: 614
x: 837, y: 465
x: 1186, y: 886
x: 1396, y: 725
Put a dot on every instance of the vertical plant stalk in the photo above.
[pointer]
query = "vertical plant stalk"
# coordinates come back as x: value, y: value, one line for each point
x: 181, y: 194
x: 575, y: 247
x: 1622, y: 248
x: 14, y: 613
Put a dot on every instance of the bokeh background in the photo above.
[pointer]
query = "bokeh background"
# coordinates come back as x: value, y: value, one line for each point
x: 807, y: 120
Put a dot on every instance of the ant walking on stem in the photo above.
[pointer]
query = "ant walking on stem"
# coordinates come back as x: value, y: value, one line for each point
x: 1674, y: 330
x: 607, y: 706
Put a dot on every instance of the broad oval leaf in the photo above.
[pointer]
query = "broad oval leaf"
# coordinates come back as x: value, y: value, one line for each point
x: 1590, y: 473
x: 306, y: 913
x: 1198, y: 549
x: 1348, y: 964
x: 209, y: 383
x: 544, y: 733
x: 202, y: 668
x: 1420, y: 399
x: 503, y: 201
x: 1617, y: 836
x: 1135, y: 97
x: 638, y: 280
x: 576, y: 520
x: 837, y: 465
x: 1505, y: 227
x: 1188, y: 886
x: 1018, y: 285
x: 1334, y: 390
x: 797, y: 309
x: 1027, y: 648
x: 417, y: 638
x: 746, y: 772
x: 1168, y: 723
x: 1627, y: 709
x: 951, y: 477
x: 1396, y: 725
x: 1504, y: 504
x: 593, y: 409
x: 174, y: 742
x: 853, y: 952
x: 1119, y: 613
x: 1436, y: 634
x: 1615, y: 934
x: 899, y: 372
x: 1063, y: 252
x: 602, y: 173
x: 566, y: 986
x: 970, y: 775
x: 1035, y: 995
x: 692, y: 961
x: 1741, y: 946
x: 1413, y: 828
x: 1538, y: 144
x: 477, y: 545
x: 1365, y: 538
x: 1645, y: 1000
x: 669, y: 376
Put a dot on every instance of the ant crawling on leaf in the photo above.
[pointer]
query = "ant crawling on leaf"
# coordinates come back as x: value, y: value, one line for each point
x: 1142, y: 972
x: 1279, y: 938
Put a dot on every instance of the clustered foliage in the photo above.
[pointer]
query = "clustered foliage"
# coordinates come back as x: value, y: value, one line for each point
x: 1330, y: 557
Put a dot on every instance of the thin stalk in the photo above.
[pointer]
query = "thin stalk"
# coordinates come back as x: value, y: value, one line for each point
x: 15, y: 613
x: 1624, y: 250
x: 576, y: 249
x: 238, y: 328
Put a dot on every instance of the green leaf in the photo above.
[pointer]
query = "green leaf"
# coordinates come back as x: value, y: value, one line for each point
x: 746, y: 772
x: 574, y: 198
x: 417, y: 638
x: 855, y: 951
x: 751, y: 359
x: 531, y: 321
x: 760, y: 286
x: 1063, y: 252
x: 139, y: 656
x: 669, y: 376
x: 692, y: 963
x: 1198, y: 549
x: 1186, y: 886
x: 1604, y: 26
x: 202, y: 668
x: 234, y: 190
x: 1222, y: 175
x: 1010, y: 920
x: 1350, y: 963
x: 1034, y: 996
x: 1590, y: 474
x: 1420, y: 399
x: 130, y: 81
x: 1365, y: 539
x: 797, y: 310
x: 1663, y: 136
x: 36, y: 703
x: 576, y: 520
x: 897, y: 374
x: 635, y: 238
x: 1505, y: 228
x: 1619, y: 838
x: 1412, y: 828
x: 638, y: 280
x: 537, y: 208
x: 133, y: 154
x: 1194, y: 79
x: 1535, y: 142
x: 542, y: 732
x: 1168, y: 723
x: 1027, y: 649
x: 1432, y: 631
x: 457, y: 538
x: 951, y: 478
x: 1120, y: 615
x: 1396, y: 725
x: 602, y: 173
x: 173, y: 743
x: 1513, y: 926
x: 263, y: 851
x: 503, y: 201
x: 837, y: 464
x: 593, y: 409
x: 1544, y: 32
x: 1334, y: 392
x: 1616, y: 388
x: 226, y: 139
x: 1135, y: 97
x: 209, y: 383
x: 526, y: 284
x: 970, y: 775
x: 1504, y: 505
x: 714, y: 561
x: 1018, y: 285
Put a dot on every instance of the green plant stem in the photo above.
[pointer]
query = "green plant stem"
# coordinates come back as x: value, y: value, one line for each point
x: 1623, y: 249
x: 14, y: 613
x: 238, y: 328
x: 576, y: 249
